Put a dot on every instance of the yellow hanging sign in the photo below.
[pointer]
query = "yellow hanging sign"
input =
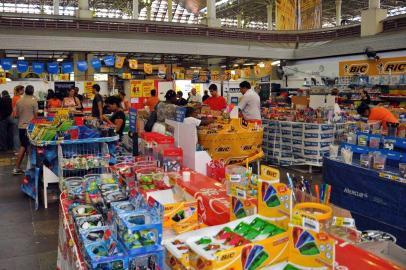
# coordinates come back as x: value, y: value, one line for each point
x: 257, y: 71
x: 147, y: 86
x: 133, y: 64
x: 119, y: 61
x: 88, y: 89
x: 3, y: 80
x: 136, y: 88
x: 269, y: 173
x: 63, y: 77
x: 127, y: 76
x: 148, y: 68
x: 246, y: 72
x: 162, y: 69
x: 215, y: 75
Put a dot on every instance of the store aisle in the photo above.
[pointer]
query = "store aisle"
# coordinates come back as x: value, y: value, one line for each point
x: 28, y: 238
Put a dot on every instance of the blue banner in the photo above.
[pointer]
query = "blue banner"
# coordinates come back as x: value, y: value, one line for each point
x: 96, y: 63
x: 67, y: 67
x: 109, y: 60
x: 133, y: 120
x: 6, y: 63
x: 22, y: 66
x: 53, y: 68
x: 37, y: 67
x: 82, y: 66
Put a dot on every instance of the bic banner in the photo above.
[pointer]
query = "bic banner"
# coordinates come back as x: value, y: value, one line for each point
x: 133, y: 64
x: 119, y: 61
x: 310, y: 14
x: 147, y: 86
x: 148, y: 68
x: 286, y: 15
x: 383, y: 66
x: 136, y: 88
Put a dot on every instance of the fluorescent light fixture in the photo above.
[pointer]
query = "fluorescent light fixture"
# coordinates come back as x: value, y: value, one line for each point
x: 13, y: 65
x: 249, y: 64
x: 223, y: 66
x: 276, y: 63
x: 196, y: 67
x: 261, y: 65
x: 21, y: 58
x: 59, y: 59
x: 236, y: 65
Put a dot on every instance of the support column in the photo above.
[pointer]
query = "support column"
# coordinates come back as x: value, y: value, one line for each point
x: 169, y: 8
x: 83, y: 11
x: 269, y: 10
x: 56, y: 7
x: 88, y: 75
x: 338, y: 12
x: 136, y: 12
x: 149, y: 9
x: 212, y: 20
x: 239, y: 21
x: 371, y: 19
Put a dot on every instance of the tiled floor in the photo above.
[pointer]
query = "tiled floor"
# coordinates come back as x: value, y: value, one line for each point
x: 28, y: 238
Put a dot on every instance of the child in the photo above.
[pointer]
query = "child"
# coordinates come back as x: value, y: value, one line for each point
x: 191, y: 119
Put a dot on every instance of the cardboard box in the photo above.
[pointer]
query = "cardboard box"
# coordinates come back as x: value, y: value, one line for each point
x: 180, y: 209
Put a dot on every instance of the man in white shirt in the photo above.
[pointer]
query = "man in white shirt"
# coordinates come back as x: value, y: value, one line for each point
x: 250, y: 103
x: 194, y: 97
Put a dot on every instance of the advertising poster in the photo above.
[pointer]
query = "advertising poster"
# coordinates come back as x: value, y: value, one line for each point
x: 215, y: 75
x: 246, y: 73
x: 119, y: 61
x: 286, y: 15
x: 63, y: 77
x: 383, y: 66
x: 127, y: 76
x: 136, y: 88
x: 310, y: 14
x: 147, y: 86
x: 88, y: 89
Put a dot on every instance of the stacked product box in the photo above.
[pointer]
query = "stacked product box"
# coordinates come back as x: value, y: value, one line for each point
x: 295, y: 143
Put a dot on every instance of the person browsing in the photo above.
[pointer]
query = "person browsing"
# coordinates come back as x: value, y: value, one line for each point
x: 118, y: 116
x: 377, y: 114
x: 194, y: 97
x: 205, y: 96
x: 191, y: 119
x: 250, y: 103
x: 215, y: 102
x: 181, y: 101
x: 71, y: 101
x: 152, y: 101
x: 97, y: 105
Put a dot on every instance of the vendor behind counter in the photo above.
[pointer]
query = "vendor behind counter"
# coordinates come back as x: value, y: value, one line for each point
x: 377, y: 114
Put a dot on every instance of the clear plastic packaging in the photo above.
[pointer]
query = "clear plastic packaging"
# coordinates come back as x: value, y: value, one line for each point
x: 365, y: 160
x: 379, y: 161
x: 402, y: 169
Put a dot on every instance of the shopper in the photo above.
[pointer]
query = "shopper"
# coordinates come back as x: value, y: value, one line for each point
x: 97, y: 106
x: 18, y: 92
x: 165, y: 110
x: 52, y: 100
x: 71, y: 102
x: 118, y: 116
x: 79, y: 97
x: 152, y: 101
x: 377, y: 114
x: 125, y: 104
x: 191, y: 119
x: 26, y: 111
x: 181, y: 101
x: 6, y: 124
x: 194, y: 97
x: 215, y: 102
x: 365, y: 97
x: 205, y: 96
x: 337, y: 110
x: 250, y: 103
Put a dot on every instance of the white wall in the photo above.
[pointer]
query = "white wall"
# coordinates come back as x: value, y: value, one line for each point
x: 326, y: 67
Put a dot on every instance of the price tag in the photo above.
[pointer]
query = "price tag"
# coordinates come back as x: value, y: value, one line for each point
x: 297, y: 220
x: 343, y: 222
x: 311, y: 224
x: 235, y: 178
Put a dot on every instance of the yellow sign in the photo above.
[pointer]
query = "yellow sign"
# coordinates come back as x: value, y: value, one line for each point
x: 63, y: 77
x: 310, y: 14
x: 180, y: 76
x: 227, y: 75
x: 162, y: 69
x: 136, y: 88
x: 133, y: 64
x: 269, y: 173
x: 88, y: 89
x: 246, y: 72
x: 119, y: 61
x: 383, y: 66
x: 215, y: 75
x: 147, y: 86
x: 2, y: 80
x: 257, y: 71
x: 148, y: 68
x: 286, y: 15
x: 127, y: 76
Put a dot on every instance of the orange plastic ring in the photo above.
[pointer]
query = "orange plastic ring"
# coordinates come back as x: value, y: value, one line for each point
x: 327, y: 210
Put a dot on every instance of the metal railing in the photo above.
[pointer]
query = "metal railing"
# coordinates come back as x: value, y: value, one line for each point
x: 61, y: 23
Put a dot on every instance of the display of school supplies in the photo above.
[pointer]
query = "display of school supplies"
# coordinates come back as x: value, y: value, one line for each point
x: 322, y: 193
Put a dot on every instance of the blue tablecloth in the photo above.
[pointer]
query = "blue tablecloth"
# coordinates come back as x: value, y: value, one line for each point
x: 374, y: 202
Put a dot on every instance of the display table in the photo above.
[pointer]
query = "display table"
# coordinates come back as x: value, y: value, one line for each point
x: 375, y: 203
x: 213, y: 201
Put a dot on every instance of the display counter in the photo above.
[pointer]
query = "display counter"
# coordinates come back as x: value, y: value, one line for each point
x: 375, y: 202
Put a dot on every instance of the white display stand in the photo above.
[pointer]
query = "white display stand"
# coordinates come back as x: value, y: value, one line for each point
x: 322, y: 101
x: 48, y: 178
x: 185, y: 135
